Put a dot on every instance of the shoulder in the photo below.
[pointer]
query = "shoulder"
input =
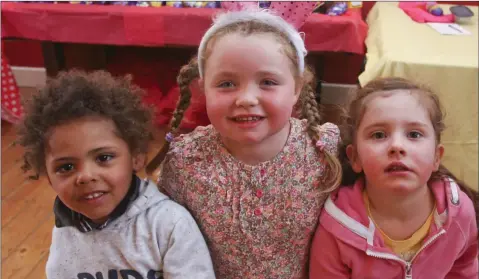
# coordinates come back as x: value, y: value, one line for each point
x: 305, y: 148
x: 197, y: 143
x: 167, y: 210
x: 455, y: 207
x: 299, y: 139
x: 467, y: 208
x: 457, y: 201
x: 347, y: 202
x: 327, y: 133
x: 164, y: 218
x: 199, y: 136
x: 299, y: 127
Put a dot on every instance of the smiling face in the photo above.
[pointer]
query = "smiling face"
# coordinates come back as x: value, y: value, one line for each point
x: 395, y: 144
x: 250, y: 88
x: 89, y: 166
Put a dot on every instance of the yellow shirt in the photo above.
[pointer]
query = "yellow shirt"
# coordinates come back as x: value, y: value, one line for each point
x: 405, y: 249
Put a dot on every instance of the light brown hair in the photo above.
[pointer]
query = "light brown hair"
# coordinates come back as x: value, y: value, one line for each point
x: 354, y: 112
x: 307, y: 106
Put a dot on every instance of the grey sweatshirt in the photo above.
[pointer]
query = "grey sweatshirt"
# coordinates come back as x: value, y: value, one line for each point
x: 155, y: 238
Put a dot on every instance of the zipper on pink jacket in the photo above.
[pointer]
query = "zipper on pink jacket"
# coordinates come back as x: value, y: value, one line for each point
x: 408, y: 265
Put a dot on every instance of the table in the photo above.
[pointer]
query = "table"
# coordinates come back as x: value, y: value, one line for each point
x: 165, y: 26
x: 398, y: 46
x: 93, y: 27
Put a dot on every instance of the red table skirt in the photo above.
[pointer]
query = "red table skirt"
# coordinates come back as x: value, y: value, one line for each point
x: 165, y: 26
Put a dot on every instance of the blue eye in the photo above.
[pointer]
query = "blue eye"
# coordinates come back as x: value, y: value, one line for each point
x: 414, y: 135
x: 269, y: 82
x: 378, y: 135
x: 64, y: 168
x: 226, y: 84
x: 104, y: 158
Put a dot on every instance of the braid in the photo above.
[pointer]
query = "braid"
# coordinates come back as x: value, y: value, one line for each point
x: 309, y: 110
x: 187, y: 74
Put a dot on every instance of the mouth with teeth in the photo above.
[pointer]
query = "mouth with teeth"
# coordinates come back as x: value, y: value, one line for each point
x: 397, y: 168
x: 94, y: 196
x: 246, y: 119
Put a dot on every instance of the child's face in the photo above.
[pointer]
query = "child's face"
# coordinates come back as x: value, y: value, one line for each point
x: 395, y: 143
x: 89, y: 166
x: 249, y: 87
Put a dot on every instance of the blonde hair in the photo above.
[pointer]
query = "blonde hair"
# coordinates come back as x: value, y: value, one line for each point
x: 260, y: 16
x: 307, y: 106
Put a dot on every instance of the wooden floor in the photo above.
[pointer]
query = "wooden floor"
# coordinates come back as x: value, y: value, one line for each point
x: 27, y: 215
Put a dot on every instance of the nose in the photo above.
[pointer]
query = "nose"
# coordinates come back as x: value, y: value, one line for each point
x: 396, y: 146
x: 248, y: 97
x: 86, y: 175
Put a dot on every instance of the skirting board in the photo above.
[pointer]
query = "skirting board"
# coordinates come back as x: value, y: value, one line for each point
x: 336, y: 93
x: 29, y: 76
x: 331, y: 93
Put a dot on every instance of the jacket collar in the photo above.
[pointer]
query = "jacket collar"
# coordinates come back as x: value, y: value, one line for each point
x: 346, y: 208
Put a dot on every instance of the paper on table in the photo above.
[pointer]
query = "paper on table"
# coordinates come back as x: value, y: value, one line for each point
x: 448, y: 28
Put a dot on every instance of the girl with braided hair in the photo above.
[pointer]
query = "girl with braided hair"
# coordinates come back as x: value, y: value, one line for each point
x: 255, y: 179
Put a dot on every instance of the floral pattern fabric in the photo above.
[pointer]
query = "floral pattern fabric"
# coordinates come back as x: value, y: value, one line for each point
x: 258, y: 220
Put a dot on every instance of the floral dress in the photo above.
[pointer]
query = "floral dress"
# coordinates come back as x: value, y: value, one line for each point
x: 258, y: 220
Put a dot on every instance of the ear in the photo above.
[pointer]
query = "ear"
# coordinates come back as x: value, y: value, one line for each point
x: 138, y: 161
x: 438, y: 156
x: 352, y: 154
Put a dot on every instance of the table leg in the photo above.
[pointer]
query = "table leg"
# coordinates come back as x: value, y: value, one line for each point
x: 54, y: 57
x: 316, y: 61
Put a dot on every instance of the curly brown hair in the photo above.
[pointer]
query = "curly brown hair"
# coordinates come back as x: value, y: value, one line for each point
x: 307, y: 106
x: 353, y: 113
x: 76, y: 94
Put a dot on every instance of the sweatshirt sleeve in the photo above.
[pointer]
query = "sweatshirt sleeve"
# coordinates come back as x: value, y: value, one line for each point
x: 187, y: 255
x: 466, y: 266
x: 325, y: 258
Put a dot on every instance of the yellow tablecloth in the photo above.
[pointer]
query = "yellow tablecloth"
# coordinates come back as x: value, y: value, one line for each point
x: 398, y: 46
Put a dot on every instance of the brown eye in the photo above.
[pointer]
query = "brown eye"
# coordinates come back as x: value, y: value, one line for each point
x: 104, y: 158
x: 64, y: 168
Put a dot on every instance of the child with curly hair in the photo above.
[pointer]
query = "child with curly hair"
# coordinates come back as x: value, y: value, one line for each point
x: 88, y: 133
x: 256, y: 179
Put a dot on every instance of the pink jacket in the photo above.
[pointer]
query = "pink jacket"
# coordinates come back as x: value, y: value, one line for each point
x: 347, y: 245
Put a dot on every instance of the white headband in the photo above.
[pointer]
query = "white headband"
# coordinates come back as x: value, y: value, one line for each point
x: 262, y: 16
